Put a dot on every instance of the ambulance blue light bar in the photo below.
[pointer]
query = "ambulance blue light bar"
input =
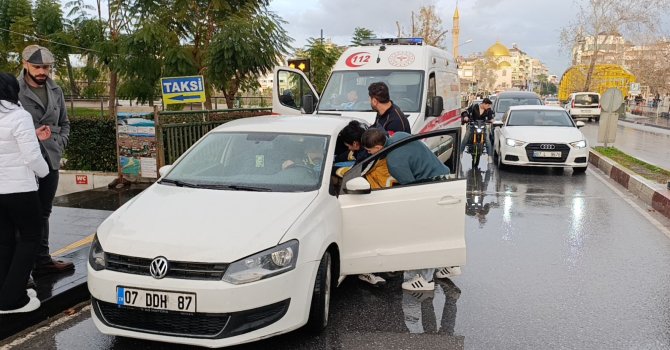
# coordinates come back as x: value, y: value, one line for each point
x: 393, y: 41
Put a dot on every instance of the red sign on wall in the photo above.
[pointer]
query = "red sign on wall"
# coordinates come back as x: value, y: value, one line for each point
x: 81, y: 179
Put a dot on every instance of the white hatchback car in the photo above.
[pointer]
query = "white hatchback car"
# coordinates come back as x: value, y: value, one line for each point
x: 540, y: 136
x: 244, y: 236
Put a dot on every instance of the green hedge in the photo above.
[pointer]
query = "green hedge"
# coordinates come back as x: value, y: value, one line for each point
x: 92, y: 144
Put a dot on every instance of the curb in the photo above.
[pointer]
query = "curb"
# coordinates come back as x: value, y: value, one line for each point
x: 654, y: 195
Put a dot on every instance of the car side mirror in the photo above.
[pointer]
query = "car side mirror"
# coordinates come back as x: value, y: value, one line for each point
x: 497, y: 123
x: 579, y: 124
x: 358, y: 185
x: 164, y: 170
x: 437, y: 106
x: 308, y: 104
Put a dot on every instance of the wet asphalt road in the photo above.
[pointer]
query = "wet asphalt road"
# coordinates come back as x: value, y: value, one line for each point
x: 555, y: 261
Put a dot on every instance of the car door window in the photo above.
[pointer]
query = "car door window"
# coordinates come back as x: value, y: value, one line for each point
x: 292, y: 88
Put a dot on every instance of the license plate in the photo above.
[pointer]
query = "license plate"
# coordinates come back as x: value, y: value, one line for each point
x: 543, y: 154
x: 587, y: 111
x: 155, y: 299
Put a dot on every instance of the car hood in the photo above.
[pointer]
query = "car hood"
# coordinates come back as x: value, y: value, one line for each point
x: 542, y: 134
x: 201, y: 225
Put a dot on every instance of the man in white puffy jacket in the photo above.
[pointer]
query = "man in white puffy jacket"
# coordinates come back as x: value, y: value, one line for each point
x: 21, y: 162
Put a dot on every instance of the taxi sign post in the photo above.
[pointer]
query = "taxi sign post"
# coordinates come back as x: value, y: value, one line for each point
x: 176, y: 90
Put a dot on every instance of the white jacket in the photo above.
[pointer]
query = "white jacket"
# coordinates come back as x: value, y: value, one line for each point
x: 20, y: 155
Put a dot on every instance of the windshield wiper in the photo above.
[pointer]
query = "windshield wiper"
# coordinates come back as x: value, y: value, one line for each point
x: 237, y: 188
x: 180, y: 183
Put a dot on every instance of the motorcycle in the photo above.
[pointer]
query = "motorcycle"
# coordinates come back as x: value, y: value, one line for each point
x: 477, y: 141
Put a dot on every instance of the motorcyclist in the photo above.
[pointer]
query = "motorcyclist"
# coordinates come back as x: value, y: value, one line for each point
x: 478, y: 111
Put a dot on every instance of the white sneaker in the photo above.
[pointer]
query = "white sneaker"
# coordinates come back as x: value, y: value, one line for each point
x: 371, y: 278
x: 447, y: 272
x: 32, y: 305
x: 418, y: 283
x: 31, y: 293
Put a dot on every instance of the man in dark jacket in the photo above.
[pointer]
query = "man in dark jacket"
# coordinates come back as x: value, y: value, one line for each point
x: 389, y: 116
x: 44, y: 100
x: 478, y: 111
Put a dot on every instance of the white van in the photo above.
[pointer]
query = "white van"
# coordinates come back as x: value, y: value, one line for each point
x: 584, y: 105
x: 422, y: 80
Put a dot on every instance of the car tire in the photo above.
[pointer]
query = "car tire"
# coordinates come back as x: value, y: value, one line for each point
x: 597, y: 119
x: 320, y: 306
x: 579, y: 170
x: 498, y: 157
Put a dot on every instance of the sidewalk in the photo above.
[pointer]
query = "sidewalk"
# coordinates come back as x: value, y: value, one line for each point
x: 657, y: 122
x: 73, y: 222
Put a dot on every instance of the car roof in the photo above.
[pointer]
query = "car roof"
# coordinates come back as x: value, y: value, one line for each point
x: 307, y: 124
x: 536, y: 108
x: 524, y: 94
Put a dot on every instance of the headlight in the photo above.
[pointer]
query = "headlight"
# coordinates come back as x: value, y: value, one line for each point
x: 265, y: 264
x: 96, y: 256
x: 513, y: 143
x: 479, y: 130
x: 578, y: 144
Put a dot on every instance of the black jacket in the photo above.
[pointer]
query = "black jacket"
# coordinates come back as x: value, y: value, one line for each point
x: 393, y: 120
x: 473, y: 113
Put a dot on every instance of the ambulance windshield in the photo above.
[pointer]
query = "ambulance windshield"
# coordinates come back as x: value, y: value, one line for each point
x: 348, y: 90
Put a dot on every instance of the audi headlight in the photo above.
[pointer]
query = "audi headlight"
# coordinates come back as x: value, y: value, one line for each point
x: 268, y: 263
x: 513, y: 143
x: 96, y: 256
x: 578, y: 144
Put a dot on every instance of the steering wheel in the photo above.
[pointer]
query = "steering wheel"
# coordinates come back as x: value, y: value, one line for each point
x: 405, y: 103
x: 305, y: 168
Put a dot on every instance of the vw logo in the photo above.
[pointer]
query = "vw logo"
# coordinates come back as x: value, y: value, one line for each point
x: 546, y: 146
x: 159, y: 267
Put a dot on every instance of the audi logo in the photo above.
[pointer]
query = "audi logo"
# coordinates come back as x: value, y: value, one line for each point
x: 159, y: 267
x: 547, y: 146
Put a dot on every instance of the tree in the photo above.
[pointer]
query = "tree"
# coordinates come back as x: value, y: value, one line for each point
x: 600, y: 20
x: 244, y: 48
x: 322, y: 56
x: 428, y: 25
x: 361, y: 34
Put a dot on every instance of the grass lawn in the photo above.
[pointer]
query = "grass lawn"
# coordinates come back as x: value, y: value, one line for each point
x: 646, y: 170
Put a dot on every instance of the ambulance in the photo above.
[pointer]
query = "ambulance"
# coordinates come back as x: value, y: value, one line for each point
x: 422, y: 80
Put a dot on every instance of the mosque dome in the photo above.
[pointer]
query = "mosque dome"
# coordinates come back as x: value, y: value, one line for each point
x: 504, y: 64
x: 497, y: 50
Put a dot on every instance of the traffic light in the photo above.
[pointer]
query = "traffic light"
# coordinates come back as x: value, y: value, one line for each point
x: 299, y: 63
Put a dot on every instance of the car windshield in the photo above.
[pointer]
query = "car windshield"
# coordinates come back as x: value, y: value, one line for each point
x: 587, y: 99
x: 505, y: 103
x: 253, y: 161
x: 539, y: 118
x: 348, y: 90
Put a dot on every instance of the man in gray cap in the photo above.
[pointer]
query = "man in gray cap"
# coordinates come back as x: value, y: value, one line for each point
x: 44, y: 100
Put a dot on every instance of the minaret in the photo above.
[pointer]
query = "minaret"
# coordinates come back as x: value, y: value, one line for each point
x: 455, y: 31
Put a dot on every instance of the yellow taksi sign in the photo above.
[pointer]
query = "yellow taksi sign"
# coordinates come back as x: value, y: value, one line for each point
x: 183, y: 89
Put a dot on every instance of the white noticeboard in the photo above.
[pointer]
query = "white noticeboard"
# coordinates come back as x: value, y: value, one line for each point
x: 610, y: 102
x: 635, y: 89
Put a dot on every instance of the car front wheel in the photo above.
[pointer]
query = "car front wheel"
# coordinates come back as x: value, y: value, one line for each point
x: 320, y: 306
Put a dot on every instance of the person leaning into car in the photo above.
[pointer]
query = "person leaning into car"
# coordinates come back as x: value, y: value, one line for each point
x: 478, y: 111
x: 44, y: 100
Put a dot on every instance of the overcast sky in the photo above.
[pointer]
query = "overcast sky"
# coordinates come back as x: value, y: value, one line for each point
x: 534, y: 25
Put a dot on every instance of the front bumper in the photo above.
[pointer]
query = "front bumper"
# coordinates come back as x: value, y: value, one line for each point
x: 576, y: 157
x: 226, y: 314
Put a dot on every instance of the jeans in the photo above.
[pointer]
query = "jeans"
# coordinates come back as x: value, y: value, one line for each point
x: 47, y: 192
x: 18, y: 212
x: 467, y: 140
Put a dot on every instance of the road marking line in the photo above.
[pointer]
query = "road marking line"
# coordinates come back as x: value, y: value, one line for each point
x: 632, y: 203
x: 73, y: 246
x: 51, y: 324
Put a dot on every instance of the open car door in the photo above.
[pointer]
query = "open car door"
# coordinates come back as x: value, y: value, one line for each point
x: 420, y: 225
x: 290, y: 86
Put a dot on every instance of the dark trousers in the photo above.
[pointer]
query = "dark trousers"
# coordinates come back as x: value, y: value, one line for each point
x: 22, y: 213
x: 47, y: 192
